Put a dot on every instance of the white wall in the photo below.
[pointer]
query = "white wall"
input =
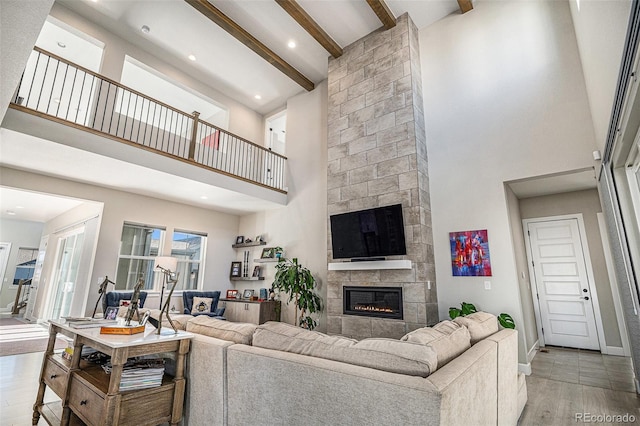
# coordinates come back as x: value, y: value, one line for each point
x: 600, y: 27
x: 300, y: 227
x: 504, y: 99
x: 243, y: 121
x: 20, y: 24
x: 21, y: 234
x: 122, y: 206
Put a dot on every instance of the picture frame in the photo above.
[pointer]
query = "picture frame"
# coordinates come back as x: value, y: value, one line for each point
x: 267, y: 253
x: 258, y: 239
x: 470, y: 255
x: 232, y: 294
x: 240, y: 239
x: 111, y: 313
x: 236, y: 270
x: 256, y: 272
x: 247, y: 294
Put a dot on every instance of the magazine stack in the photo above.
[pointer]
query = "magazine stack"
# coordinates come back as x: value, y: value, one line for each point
x: 139, y: 373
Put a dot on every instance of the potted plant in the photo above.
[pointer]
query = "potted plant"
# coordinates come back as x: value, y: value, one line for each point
x: 465, y: 309
x: 297, y: 281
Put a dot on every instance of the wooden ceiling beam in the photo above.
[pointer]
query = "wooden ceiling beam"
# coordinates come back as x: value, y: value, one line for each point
x: 309, y: 25
x: 384, y: 13
x: 227, y: 24
x: 465, y: 5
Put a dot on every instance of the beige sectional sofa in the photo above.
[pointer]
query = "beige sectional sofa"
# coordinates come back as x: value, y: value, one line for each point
x: 278, y: 374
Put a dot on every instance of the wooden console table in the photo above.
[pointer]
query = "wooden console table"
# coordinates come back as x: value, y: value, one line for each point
x: 91, y: 396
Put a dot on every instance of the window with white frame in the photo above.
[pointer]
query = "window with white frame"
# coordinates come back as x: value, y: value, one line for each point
x: 139, y: 246
x: 189, y: 248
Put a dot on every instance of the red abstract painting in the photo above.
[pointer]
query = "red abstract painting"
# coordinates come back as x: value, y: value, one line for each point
x: 470, y: 253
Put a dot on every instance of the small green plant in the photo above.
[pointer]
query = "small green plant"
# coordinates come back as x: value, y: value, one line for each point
x: 297, y: 281
x: 505, y: 320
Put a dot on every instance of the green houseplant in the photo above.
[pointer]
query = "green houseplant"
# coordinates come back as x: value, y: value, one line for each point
x: 298, y: 283
x: 505, y: 320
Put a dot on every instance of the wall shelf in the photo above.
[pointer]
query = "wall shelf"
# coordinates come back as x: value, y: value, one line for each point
x: 368, y: 265
x: 267, y: 260
x: 247, y: 278
x: 252, y: 244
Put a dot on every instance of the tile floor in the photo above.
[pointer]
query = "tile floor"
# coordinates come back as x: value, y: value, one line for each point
x: 584, y: 367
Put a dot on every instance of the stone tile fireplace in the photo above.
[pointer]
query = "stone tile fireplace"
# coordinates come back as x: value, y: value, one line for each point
x: 377, y: 156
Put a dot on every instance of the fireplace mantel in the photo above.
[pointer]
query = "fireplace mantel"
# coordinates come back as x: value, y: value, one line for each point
x: 373, y: 264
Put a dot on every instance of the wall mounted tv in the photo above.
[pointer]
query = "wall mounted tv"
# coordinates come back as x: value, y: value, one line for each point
x: 368, y: 234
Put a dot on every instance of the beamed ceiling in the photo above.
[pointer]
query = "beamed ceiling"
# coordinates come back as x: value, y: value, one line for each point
x: 241, y: 47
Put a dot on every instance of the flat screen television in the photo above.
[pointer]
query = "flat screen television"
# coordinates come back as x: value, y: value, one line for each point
x: 366, y: 234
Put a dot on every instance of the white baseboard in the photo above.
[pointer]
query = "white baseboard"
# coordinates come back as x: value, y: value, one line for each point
x: 614, y: 350
x: 525, y: 368
x: 533, y: 351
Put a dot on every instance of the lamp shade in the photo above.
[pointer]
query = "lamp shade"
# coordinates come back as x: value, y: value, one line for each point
x: 166, y: 262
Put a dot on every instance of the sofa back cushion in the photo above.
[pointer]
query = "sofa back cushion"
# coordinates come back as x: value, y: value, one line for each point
x: 480, y: 325
x: 237, y: 332
x: 382, y: 354
x: 447, y: 339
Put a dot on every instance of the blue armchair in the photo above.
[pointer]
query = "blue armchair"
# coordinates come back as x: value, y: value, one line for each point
x: 113, y: 298
x: 187, y: 299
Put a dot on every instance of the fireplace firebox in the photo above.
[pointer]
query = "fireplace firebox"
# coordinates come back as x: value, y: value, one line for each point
x: 381, y: 302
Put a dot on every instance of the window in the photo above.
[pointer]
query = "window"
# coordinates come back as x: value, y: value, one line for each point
x: 188, y: 248
x: 139, y: 245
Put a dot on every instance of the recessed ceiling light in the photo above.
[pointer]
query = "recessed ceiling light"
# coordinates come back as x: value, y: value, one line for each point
x: 11, y: 213
x: 19, y: 207
x: 145, y: 29
x: 204, y: 197
x: 192, y: 57
x: 258, y: 97
x: 61, y: 44
x: 56, y: 100
x: 291, y: 44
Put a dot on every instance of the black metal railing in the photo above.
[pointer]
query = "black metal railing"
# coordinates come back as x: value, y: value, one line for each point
x: 58, y: 89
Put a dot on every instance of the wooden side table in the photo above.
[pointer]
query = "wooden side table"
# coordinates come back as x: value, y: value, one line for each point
x: 91, y: 396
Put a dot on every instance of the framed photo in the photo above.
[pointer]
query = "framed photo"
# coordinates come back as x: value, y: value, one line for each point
x: 258, y: 239
x: 247, y: 294
x: 236, y: 270
x: 239, y: 239
x: 256, y: 272
x: 111, y: 313
x: 267, y: 253
x: 232, y: 294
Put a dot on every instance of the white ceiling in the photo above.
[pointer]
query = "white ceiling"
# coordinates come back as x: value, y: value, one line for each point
x: 178, y: 30
x: 33, y: 206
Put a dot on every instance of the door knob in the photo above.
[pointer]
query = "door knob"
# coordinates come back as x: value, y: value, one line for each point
x: 585, y: 298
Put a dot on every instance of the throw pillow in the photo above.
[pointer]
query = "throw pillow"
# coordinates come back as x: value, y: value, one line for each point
x: 448, y: 339
x: 237, y: 332
x: 201, y: 305
x: 480, y: 325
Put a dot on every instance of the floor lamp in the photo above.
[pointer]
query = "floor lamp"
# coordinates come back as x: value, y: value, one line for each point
x: 167, y: 265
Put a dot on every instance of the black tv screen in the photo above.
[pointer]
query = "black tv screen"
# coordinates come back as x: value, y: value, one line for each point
x: 368, y: 233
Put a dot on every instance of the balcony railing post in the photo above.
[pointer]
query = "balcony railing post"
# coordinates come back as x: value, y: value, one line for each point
x: 194, y: 135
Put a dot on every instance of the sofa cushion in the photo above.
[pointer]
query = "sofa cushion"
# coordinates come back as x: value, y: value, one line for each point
x: 480, y: 325
x: 201, y: 305
x: 382, y: 354
x: 237, y: 332
x: 447, y: 339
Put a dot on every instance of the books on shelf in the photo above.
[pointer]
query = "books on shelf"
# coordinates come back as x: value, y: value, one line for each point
x: 122, y: 329
x: 139, y: 373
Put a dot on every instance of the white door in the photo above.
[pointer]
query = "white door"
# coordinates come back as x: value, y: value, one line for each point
x: 560, y: 274
x: 37, y: 276
x: 70, y: 247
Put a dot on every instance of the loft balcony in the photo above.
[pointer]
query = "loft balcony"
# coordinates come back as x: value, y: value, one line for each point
x: 64, y: 93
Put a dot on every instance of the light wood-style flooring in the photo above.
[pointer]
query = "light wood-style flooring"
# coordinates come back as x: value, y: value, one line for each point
x: 567, y: 382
